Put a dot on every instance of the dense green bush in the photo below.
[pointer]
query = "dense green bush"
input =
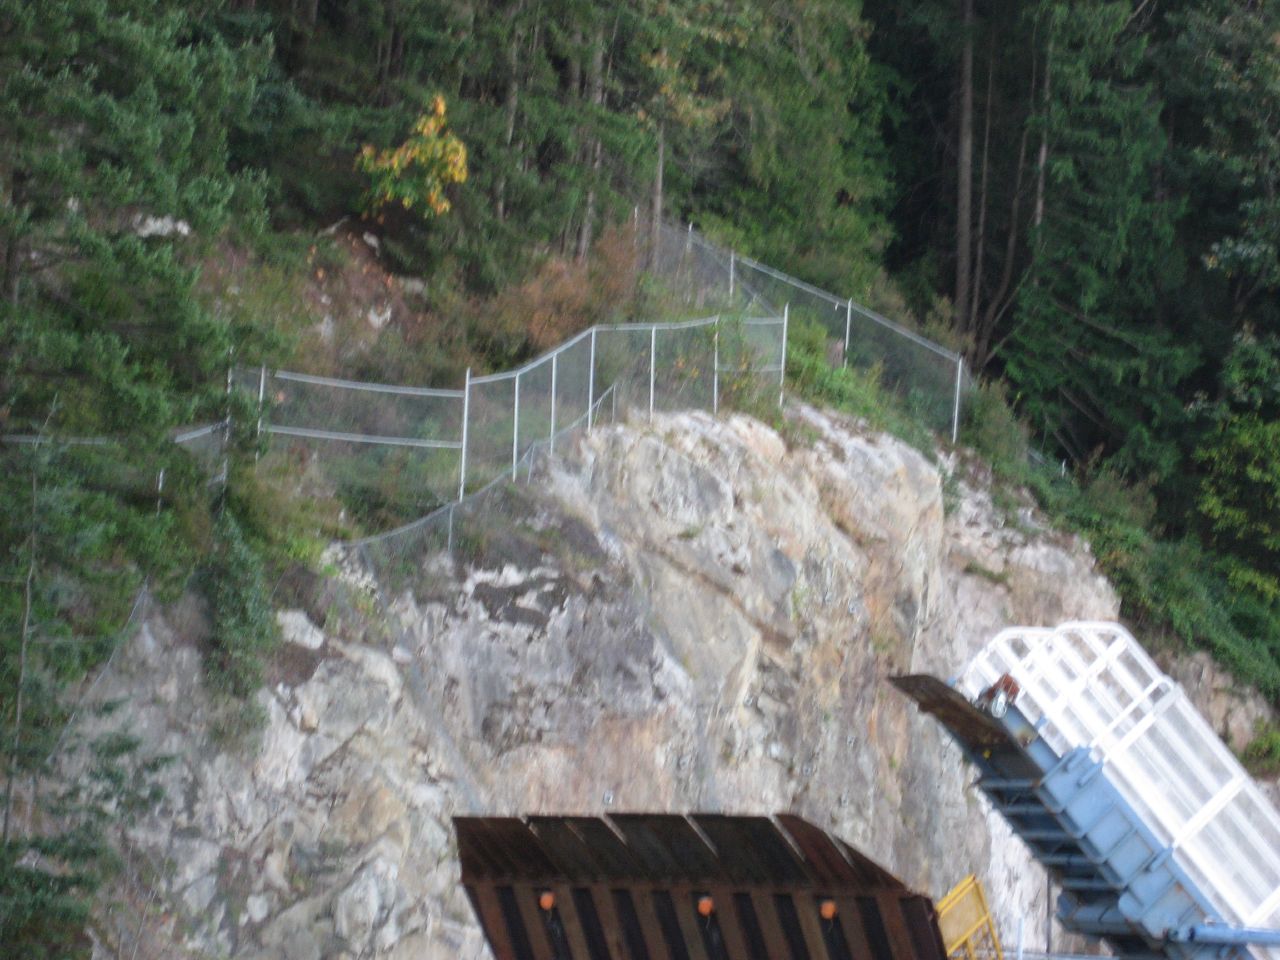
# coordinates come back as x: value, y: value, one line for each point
x: 243, y: 634
x: 1167, y: 586
x: 859, y: 392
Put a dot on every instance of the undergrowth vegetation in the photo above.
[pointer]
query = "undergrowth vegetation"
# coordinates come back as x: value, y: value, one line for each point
x: 1172, y: 588
x: 849, y: 389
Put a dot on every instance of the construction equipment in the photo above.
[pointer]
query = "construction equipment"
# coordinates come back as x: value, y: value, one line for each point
x: 1161, y: 842
x: 702, y: 887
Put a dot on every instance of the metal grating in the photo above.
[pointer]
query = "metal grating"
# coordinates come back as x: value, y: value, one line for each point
x: 668, y: 887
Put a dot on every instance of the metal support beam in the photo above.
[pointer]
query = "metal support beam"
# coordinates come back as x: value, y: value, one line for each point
x: 591, y: 382
x: 466, y: 416
x: 782, y: 373
x: 715, y: 368
x: 515, y: 431
x: 653, y: 359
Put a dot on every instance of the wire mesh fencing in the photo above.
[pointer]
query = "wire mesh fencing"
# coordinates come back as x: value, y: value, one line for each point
x: 387, y: 451
x: 451, y: 456
x: 930, y: 379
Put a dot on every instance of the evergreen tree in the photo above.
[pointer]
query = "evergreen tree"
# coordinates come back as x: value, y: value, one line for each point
x: 1092, y: 361
x: 113, y: 173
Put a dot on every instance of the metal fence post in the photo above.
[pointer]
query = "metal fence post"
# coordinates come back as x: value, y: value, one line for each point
x: 715, y: 367
x: 653, y: 357
x: 262, y: 398
x: 515, y: 432
x: 226, y: 433
x: 733, y: 262
x: 955, y: 410
x: 591, y: 382
x: 782, y: 373
x: 462, y: 460
x: 848, y: 328
x: 555, y: 357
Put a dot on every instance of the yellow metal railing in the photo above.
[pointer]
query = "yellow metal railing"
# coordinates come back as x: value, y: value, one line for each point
x: 968, y: 932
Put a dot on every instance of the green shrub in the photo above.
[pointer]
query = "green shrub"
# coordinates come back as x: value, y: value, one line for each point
x: 859, y: 392
x: 243, y: 635
x: 991, y: 427
x: 1262, y: 754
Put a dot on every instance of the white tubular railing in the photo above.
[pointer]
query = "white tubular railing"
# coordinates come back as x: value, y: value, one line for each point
x: 1092, y: 685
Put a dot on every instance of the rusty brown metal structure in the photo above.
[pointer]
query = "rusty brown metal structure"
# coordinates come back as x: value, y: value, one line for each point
x: 701, y: 887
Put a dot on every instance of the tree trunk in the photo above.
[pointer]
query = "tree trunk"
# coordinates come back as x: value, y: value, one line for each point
x: 964, y: 170
x: 996, y: 303
x: 25, y: 641
x: 655, y: 225
x: 595, y: 85
x: 1043, y: 161
x: 9, y: 280
x: 510, y: 106
x: 975, y: 291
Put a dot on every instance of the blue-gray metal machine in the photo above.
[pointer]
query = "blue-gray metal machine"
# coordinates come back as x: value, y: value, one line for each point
x: 1161, y: 842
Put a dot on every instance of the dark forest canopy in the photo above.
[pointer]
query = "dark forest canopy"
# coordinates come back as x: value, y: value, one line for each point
x: 1082, y: 196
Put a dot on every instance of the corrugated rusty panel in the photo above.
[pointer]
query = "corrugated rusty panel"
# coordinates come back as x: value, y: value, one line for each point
x: 752, y: 851
x: 574, y: 858
x: 650, y: 841
x: 608, y: 848
x: 479, y: 856
x: 534, y: 920
x: 629, y: 888
x: 922, y: 921
x: 484, y: 901
x: 831, y: 861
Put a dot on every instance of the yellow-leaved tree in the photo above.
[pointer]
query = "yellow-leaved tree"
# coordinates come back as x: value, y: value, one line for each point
x: 416, y: 172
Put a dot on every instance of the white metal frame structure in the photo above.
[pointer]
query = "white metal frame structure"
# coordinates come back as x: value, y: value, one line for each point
x: 1090, y: 684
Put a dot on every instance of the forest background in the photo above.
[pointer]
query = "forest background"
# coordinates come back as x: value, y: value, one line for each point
x: 1079, y: 196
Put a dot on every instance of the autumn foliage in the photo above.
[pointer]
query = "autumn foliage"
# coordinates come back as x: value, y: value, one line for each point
x: 417, y: 171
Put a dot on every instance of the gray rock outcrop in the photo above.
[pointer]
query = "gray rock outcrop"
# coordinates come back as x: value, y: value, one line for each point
x: 695, y: 615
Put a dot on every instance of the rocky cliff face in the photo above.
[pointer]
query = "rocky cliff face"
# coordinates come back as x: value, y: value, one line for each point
x: 695, y: 615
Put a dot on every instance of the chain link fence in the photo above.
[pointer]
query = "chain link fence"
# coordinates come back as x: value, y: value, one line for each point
x: 450, y: 453
x: 930, y: 379
x: 453, y: 456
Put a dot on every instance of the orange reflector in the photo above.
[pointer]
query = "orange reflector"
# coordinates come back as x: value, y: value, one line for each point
x: 706, y: 906
x: 827, y: 909
x: 546, y: 900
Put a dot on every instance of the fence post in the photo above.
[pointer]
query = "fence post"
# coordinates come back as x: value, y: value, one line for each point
x: 848, y: 328
x: 226, y: 432
x: 591, y: 382
x: 715, y: 365
x: 262, y: 397
x: 262, y: 394
x: 555, y: 357
x: 782, y: 373
x: 515, y: 432
x: 462, y: 460
x: 733, y: 262
x: 653, y: 356
x: 955, y: 410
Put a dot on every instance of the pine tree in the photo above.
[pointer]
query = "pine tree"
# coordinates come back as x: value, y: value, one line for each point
x: 1093, y: 363
x: 113, y: 174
